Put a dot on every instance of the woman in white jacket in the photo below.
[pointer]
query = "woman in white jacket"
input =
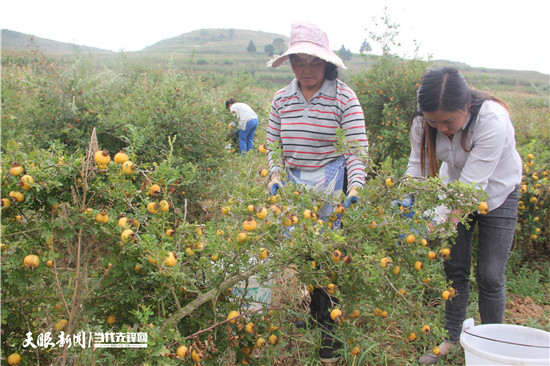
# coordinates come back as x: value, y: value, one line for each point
x: 471, y: 134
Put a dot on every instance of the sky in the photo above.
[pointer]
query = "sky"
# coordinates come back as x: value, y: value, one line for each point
x: 501, y: 34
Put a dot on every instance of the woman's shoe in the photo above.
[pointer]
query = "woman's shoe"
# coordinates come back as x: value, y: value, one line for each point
x: 432, y: 359
x: 329, y: 348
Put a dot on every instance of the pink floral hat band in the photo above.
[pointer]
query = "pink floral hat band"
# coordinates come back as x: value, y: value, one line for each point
x: 309, y: 39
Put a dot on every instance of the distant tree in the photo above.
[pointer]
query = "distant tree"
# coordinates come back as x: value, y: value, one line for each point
x: 279, y: 46
x: 344, y: 53
x: 365, y: 47
x: 251, y: 48
x: 268, y: 48
x: 231, y: 33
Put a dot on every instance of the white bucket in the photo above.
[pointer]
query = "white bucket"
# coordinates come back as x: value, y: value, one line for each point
x: 504, y: 344
x: 258, y: 293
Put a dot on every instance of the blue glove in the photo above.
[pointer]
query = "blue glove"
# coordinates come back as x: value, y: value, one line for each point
x: 275, y: 187
x: 352, y: 200
x: 406, y: 202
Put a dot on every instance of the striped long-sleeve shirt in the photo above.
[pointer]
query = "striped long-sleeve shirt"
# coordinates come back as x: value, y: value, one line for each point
x: 306, y: 131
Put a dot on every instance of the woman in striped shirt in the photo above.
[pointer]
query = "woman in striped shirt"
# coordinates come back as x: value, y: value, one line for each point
x: 472, y: 135
x: 304, y: 119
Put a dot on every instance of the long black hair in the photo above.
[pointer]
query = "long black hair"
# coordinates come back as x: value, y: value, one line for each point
x: 445, y: 89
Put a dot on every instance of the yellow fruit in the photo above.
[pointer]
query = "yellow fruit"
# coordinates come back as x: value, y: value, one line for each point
x: 250, y: 208
x: 262, y: 213
x: 424, y: 242
x: 14, y: 359
x: 445, y: 295
x: 263, y: 253
x: 396, y: 270
x: 6, y: 203
x: 445, y: 252
x: 355, y: 351
x: 137, y: 268
x: 214, y: 257
x: 260, y: 342
x: 336, y: 256
x: 249, y: 224
x: 412, y: 336
x: 390, y: 182
x: 384, y: 314
x: 231, y: 315
x: 153, y: 207
x: 276, y: 209
x: 128, y: 167
x: 355, y: 314
x: 331, y: 288
x: 196, y: 356
x: 436, y: 350
x: 151, y: 259
x: 111, y: 319
x: 226, y: 210
x: 60, y: 325
x: 102, y: 217
x: 432, y: 255
x: 16, y: 169
x: 262, y: 149
x: 164, y: 206
x: 171, y: 260
x: 154, y: 190
x: 31, y: 261
x: 483, y: 207
x: 19, y: 197
x: 49, y: 263
x: 182, y: 351
x: 339, y: 209
x: 410, y: 239
x: 123, y: 221
x: 26, y: 182
x: 121, y: 157
x: 426, y: 329
x: 310, y: 288
x: 250, y: 328
x: 170, y: 232
x: 530, y: 156
x: 102, y: 157
x: 384, y: 262
x: 307, y: 214
x: 273, y: 339
x: 377, y: 312
x: 373, y: 225
x: 127, y: 236
x: 263, y: 173
x: 242, y: 237
x: 418, y: 265
x: 335, y: 314
x: 189, y: 251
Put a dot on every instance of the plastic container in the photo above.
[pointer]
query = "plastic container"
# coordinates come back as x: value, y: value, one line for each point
x: 504, y: 344
x: 258, y: 293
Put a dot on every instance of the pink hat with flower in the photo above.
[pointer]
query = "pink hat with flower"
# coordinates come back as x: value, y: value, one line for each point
x: 309, y: 39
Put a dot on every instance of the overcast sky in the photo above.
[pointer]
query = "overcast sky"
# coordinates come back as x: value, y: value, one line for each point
x: 481, y: 33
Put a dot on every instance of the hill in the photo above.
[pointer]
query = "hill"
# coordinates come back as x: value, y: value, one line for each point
x: 17, y: 41
x: 216, y: 41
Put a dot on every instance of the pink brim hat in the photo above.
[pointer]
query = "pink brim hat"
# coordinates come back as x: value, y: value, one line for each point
x: 308, y: 39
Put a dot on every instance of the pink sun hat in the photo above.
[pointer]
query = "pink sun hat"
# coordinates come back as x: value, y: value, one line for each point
x: 309, y: 39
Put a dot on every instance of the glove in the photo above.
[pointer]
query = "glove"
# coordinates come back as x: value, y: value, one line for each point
x: 275, y: 184
x: 275, y: 187
x: 406, y: 202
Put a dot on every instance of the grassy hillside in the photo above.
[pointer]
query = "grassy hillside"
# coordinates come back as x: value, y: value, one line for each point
x: 216, y: 41
x: 17, y: 41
